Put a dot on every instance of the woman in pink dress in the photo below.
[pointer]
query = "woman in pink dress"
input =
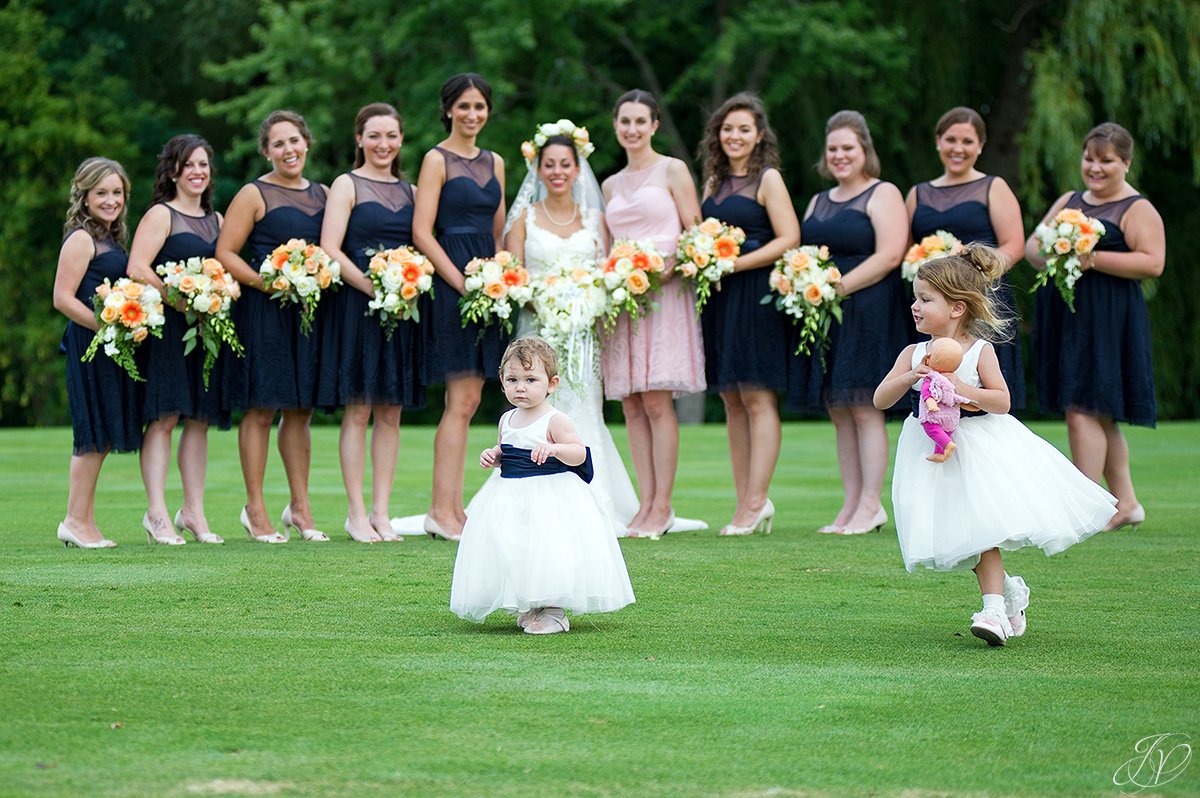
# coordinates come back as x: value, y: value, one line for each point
x: 662, y: 356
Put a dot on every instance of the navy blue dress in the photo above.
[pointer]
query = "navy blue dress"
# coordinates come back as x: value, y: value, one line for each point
x: 466, y: 212
x: 105, y: 402
x: 745, y: 341
x: 175, y: 383
x: 875, y: 320
x: 280, y: 367
x: 1097, y: 360
x: 962, y: 210
x: 359, y: 363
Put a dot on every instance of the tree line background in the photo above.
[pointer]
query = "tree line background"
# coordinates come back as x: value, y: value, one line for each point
x: 119, y: 77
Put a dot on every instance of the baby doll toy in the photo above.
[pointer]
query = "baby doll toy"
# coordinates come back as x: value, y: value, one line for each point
x: 940, y: 404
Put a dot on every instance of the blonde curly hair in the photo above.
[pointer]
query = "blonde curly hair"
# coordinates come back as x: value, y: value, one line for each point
x: 90, y: 174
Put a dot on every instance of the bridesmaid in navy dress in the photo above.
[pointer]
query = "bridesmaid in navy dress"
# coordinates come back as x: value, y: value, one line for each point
x: 370, y: 209
x: 1094, y: 365
x: 279, y: 371
x: 745, y: 341
x: 863, y: 222
x: 181, y: 224
x: 974, y: 207
x: 459, y: 216
x: 106, y: 404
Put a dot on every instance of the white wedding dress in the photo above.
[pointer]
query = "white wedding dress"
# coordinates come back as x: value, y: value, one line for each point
x: 581, y: 399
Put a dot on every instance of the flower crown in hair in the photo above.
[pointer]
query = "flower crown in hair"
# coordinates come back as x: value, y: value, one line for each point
x: 563, y: 127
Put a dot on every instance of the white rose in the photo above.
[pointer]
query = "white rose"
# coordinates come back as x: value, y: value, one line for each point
x: 424, y: 282
x: 391, y: 278
x: 704, y: 242
x: 619, y: 295
x: 306, y: 286
x: 566, y: 126
x: 391, y: 302
x: 474, y: 282
x: 335, y: 271
x: 503, y: 310
x: 1065, y: 229
x: 550, y: 129
x: 491, y: 271
x: 201, y: 302
x: 612, y: 280
x: 295, y: 273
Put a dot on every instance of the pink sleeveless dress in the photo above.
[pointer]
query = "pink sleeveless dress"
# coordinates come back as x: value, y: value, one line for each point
x: 663, y: 351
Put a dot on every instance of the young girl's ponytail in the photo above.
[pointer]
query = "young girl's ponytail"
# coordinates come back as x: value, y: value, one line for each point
x: 971, y: 277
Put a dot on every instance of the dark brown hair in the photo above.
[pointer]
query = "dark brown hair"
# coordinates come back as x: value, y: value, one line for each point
x: 716, y: 163
x: 274, y: 118
x: 174, y: 155
x: 641, y: 97
x: 1110, y: 135
x: 959, y: 116
x: 366, y: 113
x: 454, y: 87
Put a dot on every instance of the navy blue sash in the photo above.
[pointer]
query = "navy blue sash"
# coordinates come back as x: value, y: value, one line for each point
x: 515, y: 464
x: 916, y: 407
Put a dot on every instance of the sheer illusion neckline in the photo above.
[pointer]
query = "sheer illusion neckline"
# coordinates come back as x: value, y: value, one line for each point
x: 958, y: 185
x: 287, y: 188
x: 829, y: 194
x: 173, y: 209
x: 474, y: 157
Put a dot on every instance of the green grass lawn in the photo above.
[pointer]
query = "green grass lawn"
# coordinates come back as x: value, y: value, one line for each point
x: 791, y: 665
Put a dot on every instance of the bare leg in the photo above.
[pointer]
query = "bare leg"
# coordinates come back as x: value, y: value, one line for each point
x: 254, y: 438
x: 764, y: 442
x: 83, y: 473
x: 352, y: 448
x: 641, y: 450
x: 848, y: 462
x: 871, y: 432
x: 193, y: 470
x: 295, y: 447
x: 990, y: 573
x: 450, y: 453
x: 385, y: 447
x: 664, y: 438
x: 1089, y: 444
x: 737, y: 429
x: 155, y: 458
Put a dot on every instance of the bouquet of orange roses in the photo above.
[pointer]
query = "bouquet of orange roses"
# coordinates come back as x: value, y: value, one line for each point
x: 400, y: 276
x: 631, y: 274
x: 127, y: 312
x: 802, y: 283
x: 938, y: 245
x: 207, y: 291
x: 496, y: 287
x: 1069, y: 234
x: 706, y: 253
x: 300, y: 272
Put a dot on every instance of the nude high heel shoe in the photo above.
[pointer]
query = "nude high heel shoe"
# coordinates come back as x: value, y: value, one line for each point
x: 435, y: 531
x: 1137, y: 516
x: 876, y: 524
x: 68, y: 538
x: 274, y: 537
x: 766, y: 517
x: 151, y: 538
x: 201, y: 537
x: 312, y: 535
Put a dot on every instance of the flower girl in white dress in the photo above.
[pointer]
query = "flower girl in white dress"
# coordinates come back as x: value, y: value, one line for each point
x: 1004, y: 488
x: 537, y: 543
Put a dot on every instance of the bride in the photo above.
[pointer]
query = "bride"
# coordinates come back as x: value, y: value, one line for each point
x: 558, y: 215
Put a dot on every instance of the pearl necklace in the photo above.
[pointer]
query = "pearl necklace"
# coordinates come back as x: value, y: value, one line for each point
x: 568, y: 222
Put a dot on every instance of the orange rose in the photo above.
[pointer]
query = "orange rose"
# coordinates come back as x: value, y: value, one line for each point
x: 579, y: 274
x: 1085, y: 244
x: 279, y: 257
x: 1086, y: 228
x: 609, y: 265
x: 637, y: 282
x: 823, y: 252
x: 212, y: 267
x: 832, y: 274
x: 109, y: 315
x: 1062, y: 246
x: 726, y: 248
x: 687, y: 268
x: 132, y: 290
x: 215, y: 305
x: 132, y: 314
x: 281, y: 283
x: 187, y: 284
x: 473, y: 266
x: 503, y: 258
x: 140, y: 334
x: 621, y: 251
x: 915, y: 253
x: 711, y: 227
x: 235, y: 289
x: 103, y: 290
x: 812, y: 295
x: 782, y: 284
x: 310, y: 251
x: 408, y: 291
x: 495, y: 290
x: 657, y: 263
x: 1070, y: 216
x: 324, y: 278
x: 700, y: 259
x: 799, y: 260
x: 932, y: 244
x: 312, y: 266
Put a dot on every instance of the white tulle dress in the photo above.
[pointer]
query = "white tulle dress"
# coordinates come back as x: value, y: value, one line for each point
x: 1003, y: 487
x: 537, y: 541
x: 581, y: 399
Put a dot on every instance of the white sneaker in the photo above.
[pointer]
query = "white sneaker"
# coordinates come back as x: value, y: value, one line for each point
x: 1016, y: 600
x: 991, y: 626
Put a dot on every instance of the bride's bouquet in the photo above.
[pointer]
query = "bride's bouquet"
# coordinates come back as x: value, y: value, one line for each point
x: 569, y: 298
x: 1068, y: 235
x: 938, y: 245
x: 207, y: 292
x: 496, y: 288
x: 632, y: 273
x: 300, y: 272
x: 802, y: 285
x: 399, y: 277
x: 706, y: 254
x: 127, y: 312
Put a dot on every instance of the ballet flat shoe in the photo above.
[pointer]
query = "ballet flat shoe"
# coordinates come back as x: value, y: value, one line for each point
x: 311, y: 535
x: 68, y: 538
x: 274, y: 537
x: 201, y: 537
